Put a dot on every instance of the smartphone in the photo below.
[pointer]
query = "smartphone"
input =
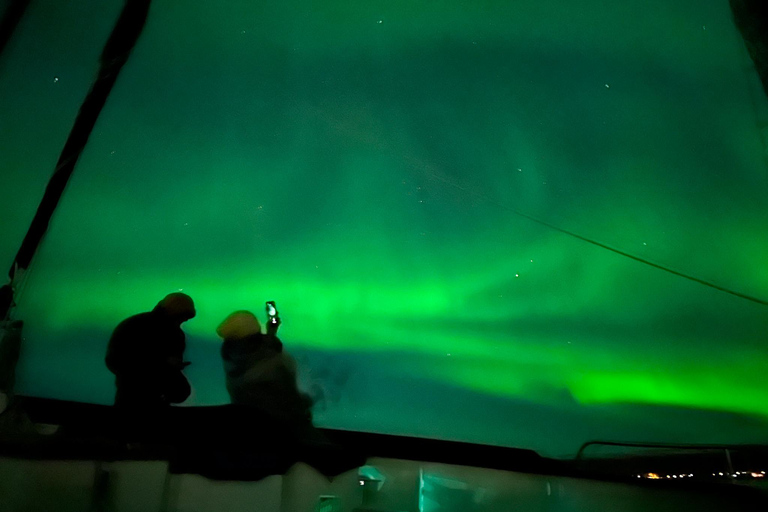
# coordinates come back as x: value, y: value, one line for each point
x: 271, y: 312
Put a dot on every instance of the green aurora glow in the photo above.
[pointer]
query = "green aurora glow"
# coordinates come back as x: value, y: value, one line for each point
x: 364, y: 175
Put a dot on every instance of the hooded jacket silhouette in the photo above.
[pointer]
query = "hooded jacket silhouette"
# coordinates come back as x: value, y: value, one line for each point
x: 146, y: 354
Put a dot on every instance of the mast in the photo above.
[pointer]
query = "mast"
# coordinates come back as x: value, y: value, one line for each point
x: 118, y: 48
x: 10, y: 20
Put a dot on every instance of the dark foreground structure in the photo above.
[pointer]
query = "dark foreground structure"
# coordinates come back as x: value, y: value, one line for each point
x: 208, y: 458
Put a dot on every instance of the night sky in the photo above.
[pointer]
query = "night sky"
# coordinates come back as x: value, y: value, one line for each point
x: 379, y: 170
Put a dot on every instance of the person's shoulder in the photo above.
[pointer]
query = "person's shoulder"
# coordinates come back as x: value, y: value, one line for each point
x: 133, y: 322
x: 233, y: 346
x: 288, y: 360
x: 254, y: 344
x: 139, y: 318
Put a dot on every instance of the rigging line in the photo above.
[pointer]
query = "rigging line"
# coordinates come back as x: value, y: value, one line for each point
x: 604, y: 246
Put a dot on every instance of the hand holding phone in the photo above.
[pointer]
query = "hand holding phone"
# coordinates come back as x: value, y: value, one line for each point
x: 273, y: 318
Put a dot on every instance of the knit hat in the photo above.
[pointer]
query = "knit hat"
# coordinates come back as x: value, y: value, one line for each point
x: 239, y: 325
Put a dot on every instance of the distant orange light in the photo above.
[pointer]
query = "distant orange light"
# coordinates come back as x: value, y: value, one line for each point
x: 757, y: 475
x: 652, y: 476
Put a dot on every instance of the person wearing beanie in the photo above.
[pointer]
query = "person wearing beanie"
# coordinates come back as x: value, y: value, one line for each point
x: 260, y: 374
x: 146, y: 354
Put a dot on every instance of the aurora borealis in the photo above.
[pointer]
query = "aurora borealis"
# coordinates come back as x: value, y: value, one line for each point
x: 362, y: 165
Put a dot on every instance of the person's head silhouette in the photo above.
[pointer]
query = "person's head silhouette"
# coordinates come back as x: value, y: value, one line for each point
x: 239, y: 324
x: 177, y: 306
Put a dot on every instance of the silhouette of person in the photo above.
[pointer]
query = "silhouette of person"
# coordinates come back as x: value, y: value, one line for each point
x: 146, y: 354
x: 260, y: 374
